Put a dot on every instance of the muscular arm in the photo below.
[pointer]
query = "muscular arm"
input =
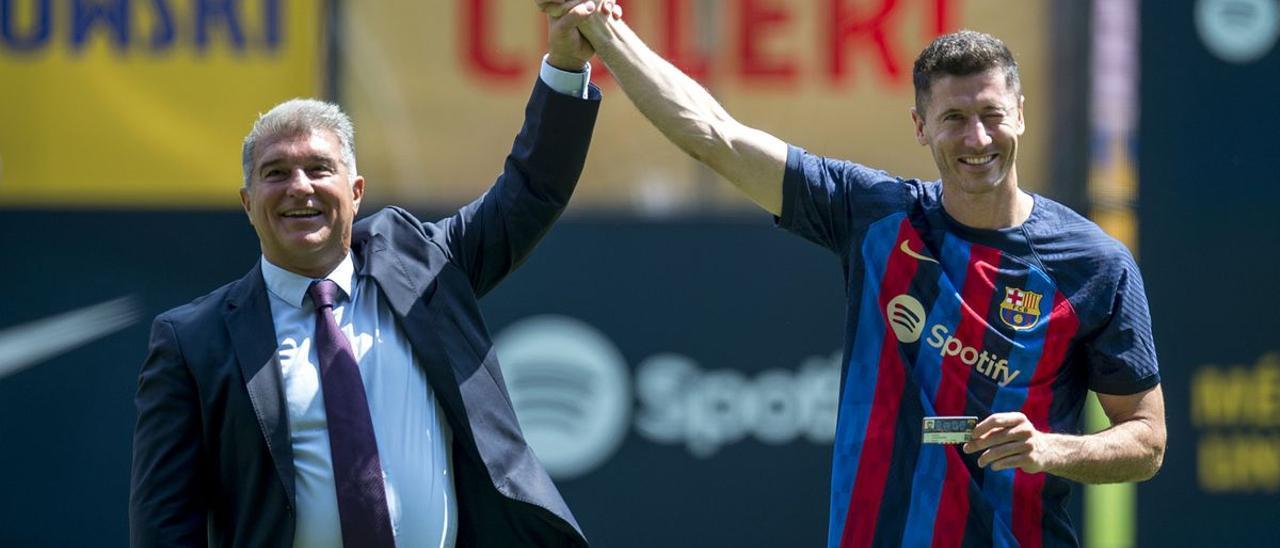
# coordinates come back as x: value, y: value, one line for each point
x: 1132, y: 449
x: 687, y: 114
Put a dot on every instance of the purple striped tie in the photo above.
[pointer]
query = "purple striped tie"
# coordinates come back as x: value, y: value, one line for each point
x: 357, y: 471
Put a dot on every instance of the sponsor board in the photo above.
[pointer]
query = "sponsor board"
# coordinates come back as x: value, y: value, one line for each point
x: 572, y: 392
x: 144, y: 104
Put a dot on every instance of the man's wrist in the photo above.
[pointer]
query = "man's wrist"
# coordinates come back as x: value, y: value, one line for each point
x: 569, y: 82
x: 566, y: 63
x: 1056, y: 450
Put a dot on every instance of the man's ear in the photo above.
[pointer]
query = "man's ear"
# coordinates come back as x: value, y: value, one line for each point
x: 357, y: 192
x: 244, y: 202
x: 918, y: 121
x: 1022, y: 123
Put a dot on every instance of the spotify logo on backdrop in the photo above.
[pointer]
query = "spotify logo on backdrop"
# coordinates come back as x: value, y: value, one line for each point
x: 1238, y: 31
x: 571, y: 391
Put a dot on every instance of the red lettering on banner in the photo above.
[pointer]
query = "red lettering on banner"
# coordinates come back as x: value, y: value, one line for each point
x: 846, y: 28
x: 756, y: 21
x: 849, y: 27
x: 675, y: 23
x: 856, y: 31
x: 942, y: 17
x: 479, y: 38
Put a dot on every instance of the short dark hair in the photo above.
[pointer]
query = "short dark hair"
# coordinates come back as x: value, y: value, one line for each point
x: 961, y: 54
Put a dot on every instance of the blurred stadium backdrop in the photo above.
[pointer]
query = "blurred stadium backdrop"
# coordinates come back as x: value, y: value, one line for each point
x: 674, y: 358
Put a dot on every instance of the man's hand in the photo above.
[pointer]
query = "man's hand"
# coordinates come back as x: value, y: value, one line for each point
x: 677, y: 105
x: 1009, y: 440
x: 1132, y: 449
x: 567, y: 49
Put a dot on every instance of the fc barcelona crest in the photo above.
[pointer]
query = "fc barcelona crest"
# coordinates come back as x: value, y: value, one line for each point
x: 1020, y: 308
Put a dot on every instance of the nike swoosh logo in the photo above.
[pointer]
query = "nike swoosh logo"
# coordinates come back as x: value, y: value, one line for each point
x: 25, y: 345
x: 907, y: 249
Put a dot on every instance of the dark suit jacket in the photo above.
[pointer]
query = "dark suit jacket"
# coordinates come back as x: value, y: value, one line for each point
x: 212, y: 460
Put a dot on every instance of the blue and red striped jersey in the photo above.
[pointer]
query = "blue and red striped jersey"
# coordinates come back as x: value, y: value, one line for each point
x: 944, y: 319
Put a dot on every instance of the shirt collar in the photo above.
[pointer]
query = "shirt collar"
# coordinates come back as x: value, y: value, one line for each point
x: 292, y: 288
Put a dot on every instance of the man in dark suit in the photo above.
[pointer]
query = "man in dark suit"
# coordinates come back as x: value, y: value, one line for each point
x: 345, y: 391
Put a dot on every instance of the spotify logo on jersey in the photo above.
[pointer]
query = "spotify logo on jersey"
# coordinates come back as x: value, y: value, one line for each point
x: 905, y: 315
x: 570, y: 389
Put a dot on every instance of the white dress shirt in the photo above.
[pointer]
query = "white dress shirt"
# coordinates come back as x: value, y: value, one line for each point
x: 412, y: 435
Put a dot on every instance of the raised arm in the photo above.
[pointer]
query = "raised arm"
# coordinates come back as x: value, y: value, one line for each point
x: 684, y: 111
x: 492, y: 235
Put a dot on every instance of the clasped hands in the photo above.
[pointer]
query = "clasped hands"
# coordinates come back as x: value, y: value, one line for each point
x: 567, y: 48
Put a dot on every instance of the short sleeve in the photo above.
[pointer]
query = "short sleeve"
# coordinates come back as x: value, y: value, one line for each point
x: 826, y: 200
x: 1122, y: 356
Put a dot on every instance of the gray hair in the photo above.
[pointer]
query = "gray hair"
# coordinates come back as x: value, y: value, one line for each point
x: 297, y: 116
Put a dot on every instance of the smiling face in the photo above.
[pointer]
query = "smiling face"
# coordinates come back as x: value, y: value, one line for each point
x: 301, y: 200
x: 972, y: 124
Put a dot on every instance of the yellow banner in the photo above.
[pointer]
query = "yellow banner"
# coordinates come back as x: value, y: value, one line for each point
x: 129, y: 103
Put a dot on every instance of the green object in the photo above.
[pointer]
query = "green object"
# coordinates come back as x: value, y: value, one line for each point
x: 1109, y: 509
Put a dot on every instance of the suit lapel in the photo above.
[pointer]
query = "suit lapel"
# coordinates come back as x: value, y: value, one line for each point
x: 388, y: 272
x: 248, y: 319
x: 409, y: 304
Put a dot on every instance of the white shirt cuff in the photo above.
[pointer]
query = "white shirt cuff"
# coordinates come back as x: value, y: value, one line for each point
x: 563, y: 81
